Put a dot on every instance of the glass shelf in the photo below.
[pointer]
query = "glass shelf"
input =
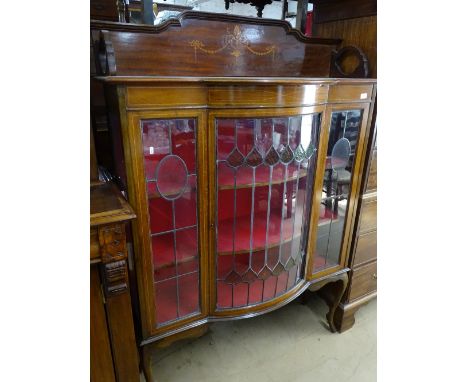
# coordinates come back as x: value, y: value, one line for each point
x: 255, y: 239
x: 227, y: 181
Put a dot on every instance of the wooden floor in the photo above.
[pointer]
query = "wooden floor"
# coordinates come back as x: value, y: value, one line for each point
x: 290, y: 344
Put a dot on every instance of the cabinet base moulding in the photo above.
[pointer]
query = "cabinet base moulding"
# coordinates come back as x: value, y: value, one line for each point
x: 344, y: 315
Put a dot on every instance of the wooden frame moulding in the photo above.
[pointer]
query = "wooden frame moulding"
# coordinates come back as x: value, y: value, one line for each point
x: 138, y: 198
x: 355, y: 182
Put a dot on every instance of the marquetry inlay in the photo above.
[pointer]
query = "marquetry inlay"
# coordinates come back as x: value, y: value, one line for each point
x: 237, y: 42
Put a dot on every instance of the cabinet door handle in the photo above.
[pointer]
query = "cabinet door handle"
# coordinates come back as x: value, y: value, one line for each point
x: 374, y: 276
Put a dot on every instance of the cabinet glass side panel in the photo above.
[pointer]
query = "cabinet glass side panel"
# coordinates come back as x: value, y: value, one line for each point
x: 171, y: 181
x: 264, y: 175
x: 342, y: 142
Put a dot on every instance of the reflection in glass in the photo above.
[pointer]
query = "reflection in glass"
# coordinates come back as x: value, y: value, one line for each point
x: 264, y: 181
x: 344, y: 133
x: 171, y: 181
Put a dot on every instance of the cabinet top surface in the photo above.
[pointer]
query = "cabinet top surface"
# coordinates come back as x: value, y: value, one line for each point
x: 235, y: 80
x: 107, y: 205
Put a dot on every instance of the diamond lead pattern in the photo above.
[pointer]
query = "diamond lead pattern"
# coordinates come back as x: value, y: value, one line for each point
x: 254, y: 158
x: 286, y: 155
x: 271, y: 157
x: 270, y: 145
x: 235, y: 159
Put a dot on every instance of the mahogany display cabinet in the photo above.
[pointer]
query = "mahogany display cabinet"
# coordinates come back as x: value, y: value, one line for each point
x: 242, y: 158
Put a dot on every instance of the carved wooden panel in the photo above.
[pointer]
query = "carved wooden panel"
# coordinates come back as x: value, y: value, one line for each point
x: 203, y: 44
x: 112, y: 242
x: 115, y: 278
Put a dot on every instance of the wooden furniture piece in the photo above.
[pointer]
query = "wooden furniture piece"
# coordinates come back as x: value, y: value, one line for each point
x: 363, y: 257
x: 258, y: 4
x: 109, y: 10
x: 114, y: 355
x: 354, y: 21
x: 225, y: 167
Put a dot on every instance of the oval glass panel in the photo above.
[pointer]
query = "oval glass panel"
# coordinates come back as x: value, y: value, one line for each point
x: 171, y: 177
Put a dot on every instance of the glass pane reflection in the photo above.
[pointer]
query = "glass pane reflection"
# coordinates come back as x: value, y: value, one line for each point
x: 342, y: 141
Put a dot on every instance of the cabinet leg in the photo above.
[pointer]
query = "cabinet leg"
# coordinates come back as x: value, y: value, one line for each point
x: 344, y: 314
x: 332, y: 290
x: 344, y: 318
x: 145, y: 354
x: 338, y: 288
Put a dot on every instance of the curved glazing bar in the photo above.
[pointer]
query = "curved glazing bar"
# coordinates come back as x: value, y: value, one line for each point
x: 264, y: 179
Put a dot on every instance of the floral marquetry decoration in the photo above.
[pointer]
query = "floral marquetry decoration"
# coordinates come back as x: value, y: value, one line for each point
x: 235, y: 41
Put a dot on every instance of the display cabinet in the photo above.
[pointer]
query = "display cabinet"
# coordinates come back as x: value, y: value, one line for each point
x: 241, y: 156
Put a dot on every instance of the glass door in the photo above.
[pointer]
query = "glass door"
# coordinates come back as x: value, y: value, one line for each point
x: 337, y: 188
x: 264, y: 181
x: 170, y: 167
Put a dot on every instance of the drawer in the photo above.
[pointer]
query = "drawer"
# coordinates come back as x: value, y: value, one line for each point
x: 368, y: 214
x: 363, y: 281
x: 372, y: 178
x: 267, y: 96
x: 168, y: 96
x: 348, y: 93
x: 366, y: 248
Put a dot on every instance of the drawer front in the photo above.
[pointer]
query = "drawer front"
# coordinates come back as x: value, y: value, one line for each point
x: 366, y: 248
x: 363, y: 281
x: 368, y: 215
x: 372, y: 179
x: 267, y: 96
x: 167, y: 96
x: 349, y: 93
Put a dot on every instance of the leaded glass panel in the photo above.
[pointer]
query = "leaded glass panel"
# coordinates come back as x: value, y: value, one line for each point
x: 171, y: 181
x: 264, y: 180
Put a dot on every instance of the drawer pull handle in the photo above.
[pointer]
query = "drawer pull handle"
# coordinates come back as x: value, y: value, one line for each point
x: 374, y: 276
x: 116, y: 242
